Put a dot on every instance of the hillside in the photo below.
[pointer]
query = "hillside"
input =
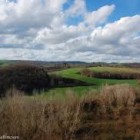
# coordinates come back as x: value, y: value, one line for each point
x: 74, y: 73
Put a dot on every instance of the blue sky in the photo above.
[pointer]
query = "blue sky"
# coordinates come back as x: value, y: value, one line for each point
x: 123, y: 7
x: 71, y: 30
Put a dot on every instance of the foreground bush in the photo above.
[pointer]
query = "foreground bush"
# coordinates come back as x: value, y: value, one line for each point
x: 118, y: 95
x: 87, y: 118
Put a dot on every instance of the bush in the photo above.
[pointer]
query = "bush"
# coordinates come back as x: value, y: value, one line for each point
x: 87, y: 72
x: 118, y: 95
x: 109, y: 75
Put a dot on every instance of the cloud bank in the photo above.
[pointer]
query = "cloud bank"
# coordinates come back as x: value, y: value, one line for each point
x: 39, y: 30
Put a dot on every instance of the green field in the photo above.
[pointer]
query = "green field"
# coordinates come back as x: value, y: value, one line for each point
x: 72, y: 73
x: 60, y: 93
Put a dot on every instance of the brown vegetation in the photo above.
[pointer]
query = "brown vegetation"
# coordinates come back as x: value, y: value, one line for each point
x: 109, y: 75
x: 87, y: 72
x: 108, y: 116
x: 24, y: 77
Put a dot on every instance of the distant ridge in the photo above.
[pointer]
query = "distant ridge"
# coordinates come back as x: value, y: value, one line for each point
x: 77, y: 63
x: 42, y: 62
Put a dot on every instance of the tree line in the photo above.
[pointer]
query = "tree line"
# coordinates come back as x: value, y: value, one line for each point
x: 110, y: 75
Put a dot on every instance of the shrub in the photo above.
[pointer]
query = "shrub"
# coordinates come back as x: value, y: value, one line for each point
x: 87, y: 72
x: 109, y: 75
x: 118, y: 95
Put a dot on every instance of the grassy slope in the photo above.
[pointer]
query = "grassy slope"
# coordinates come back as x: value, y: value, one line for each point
x: 97, y: 82
x: 61, y: 93
x: 4, y: 63
x: 73, y: 73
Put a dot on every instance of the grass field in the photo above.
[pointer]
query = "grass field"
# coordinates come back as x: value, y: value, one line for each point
x: 4, y: 63
x: 72, y: 73
x: 61, y: 93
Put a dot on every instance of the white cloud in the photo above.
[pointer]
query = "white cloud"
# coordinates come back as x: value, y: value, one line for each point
x: 37, y: 30
x: 78, y: 8
x: 99, y: 16
x: 24, y: 14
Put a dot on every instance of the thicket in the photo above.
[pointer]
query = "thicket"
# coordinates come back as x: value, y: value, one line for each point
x: 23, y: 77
x: 110, y: 75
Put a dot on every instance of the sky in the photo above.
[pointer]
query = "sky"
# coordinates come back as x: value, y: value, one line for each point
x: 70, y: 30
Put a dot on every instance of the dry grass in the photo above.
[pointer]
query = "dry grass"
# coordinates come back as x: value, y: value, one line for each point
x: 108, y: 116
x: 118, y: 95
